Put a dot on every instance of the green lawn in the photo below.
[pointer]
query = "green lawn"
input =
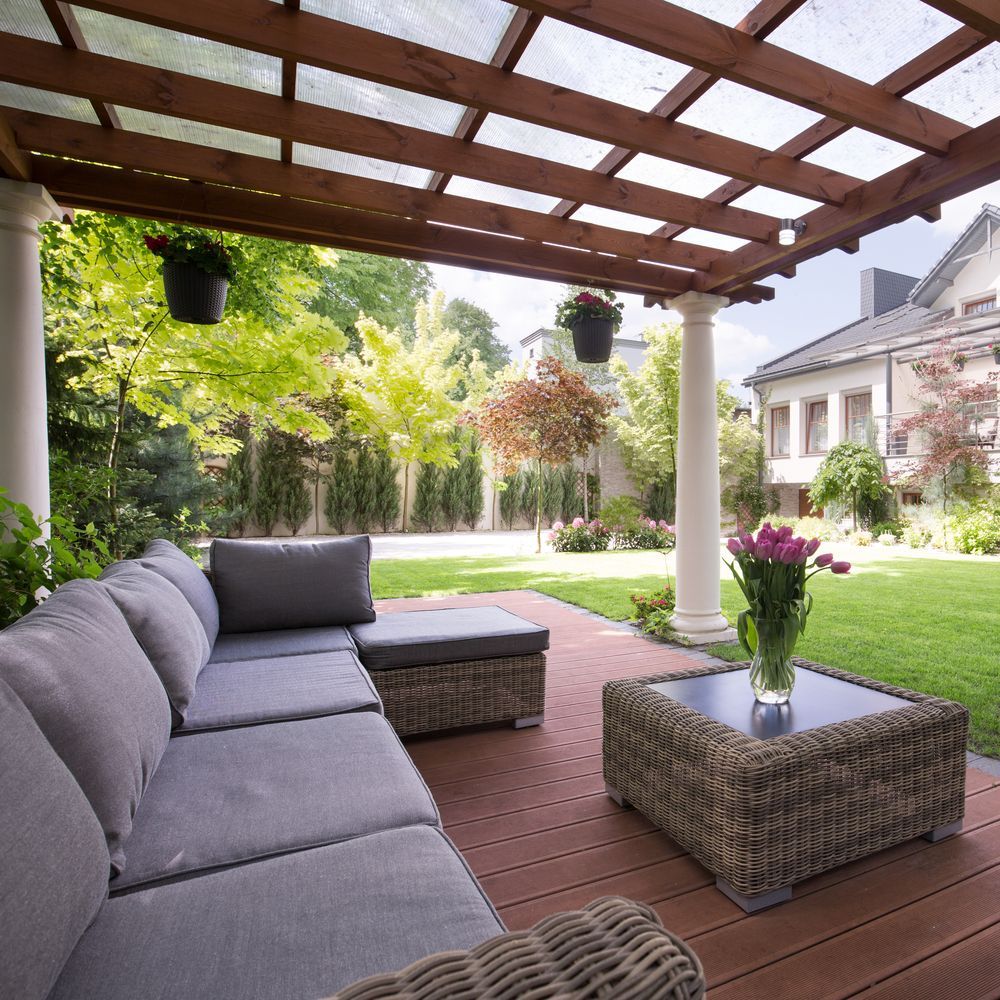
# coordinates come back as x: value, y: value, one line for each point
x: 928, y: 624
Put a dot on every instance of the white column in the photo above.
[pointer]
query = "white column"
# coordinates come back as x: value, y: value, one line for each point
x: 698, y: 615
x: 24, y: 439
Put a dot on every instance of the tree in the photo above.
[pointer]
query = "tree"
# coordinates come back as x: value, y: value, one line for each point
x: 851, y: 470
x: 339, y: 503
x: 364, y: 490
x: 271, y: 469
x: 237, y: 480
x: 476, y: 338
x: 451, y: 482
x: 547, y: 419
x: 427, y: 498
x: 473, y: 501
x: 510, y: 490
x: 296, y: 504
x: 386, y: 490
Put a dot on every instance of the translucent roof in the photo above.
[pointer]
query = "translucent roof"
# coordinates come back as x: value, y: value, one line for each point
x: 27, y: 17
x: 716, y: 241
x: 374, y: 100
x: 863, y: 39
x: 536, y: 140
x: 172, y: 50
x: 465, y: 187
x: 862, y: 154
x: 196, y: 132
x: 362, y: 166
x: 617, y: 220
x: 44, y: 103
x: 968, y: 92
x: 768, y: 201
x: 671, y: 176
x: 475, y: 34
x: 729, y: 12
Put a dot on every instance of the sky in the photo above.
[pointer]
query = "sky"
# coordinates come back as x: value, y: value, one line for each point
x: 823, y: 296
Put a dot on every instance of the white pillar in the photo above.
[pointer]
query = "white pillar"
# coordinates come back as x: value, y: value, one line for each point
x: 24, y: 439
x: 698, y: 615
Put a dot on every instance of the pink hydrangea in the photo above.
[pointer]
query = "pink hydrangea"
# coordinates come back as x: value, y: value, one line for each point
x: 558, y: 526
x: 551, y: 536
x: 578, y: 522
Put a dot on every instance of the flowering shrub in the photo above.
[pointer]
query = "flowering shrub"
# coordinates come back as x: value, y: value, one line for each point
x: 862, y: 538
x: 586, y: 305
x: 917, y: 536
x: 975, y: 529
x: 887, y: 538
x: 191, y: 247
x: 894, y: 528
x: 646, y: 604
x: 643, y: 533
x: 579, y: 536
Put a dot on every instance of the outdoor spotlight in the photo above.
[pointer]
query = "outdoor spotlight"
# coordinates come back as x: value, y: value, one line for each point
x: 789, y: 229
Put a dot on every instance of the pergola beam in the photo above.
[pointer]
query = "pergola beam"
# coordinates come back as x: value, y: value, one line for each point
x: 675, y: 33
x: 49, y: 67
x: 266, y: 27
x: 983, y: 15
x: 14, y: 162
x: 134, y: 151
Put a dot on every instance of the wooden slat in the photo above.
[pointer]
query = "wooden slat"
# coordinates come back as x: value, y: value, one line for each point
x: 983, y: 15
x: 671, y: 31
x: 40, y: 64
x: 289, y: 75
x: 14, y: 161
x: 345, y: 48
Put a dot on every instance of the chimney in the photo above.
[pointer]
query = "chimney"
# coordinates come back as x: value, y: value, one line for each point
x: 883, y: 290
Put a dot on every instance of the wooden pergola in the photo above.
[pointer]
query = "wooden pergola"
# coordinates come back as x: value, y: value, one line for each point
x: 81, y: 162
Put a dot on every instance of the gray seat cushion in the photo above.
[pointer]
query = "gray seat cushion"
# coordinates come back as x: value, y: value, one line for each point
x: 81, y: 673
x: 284, y: 787
x: 284, y: 585
x: 281, y: 642
x: 53, y: 857
x: 298, y: 926
x: 183, y: 572
x: 411, y: 638
x: 247, y: 692
x: 165, y: 625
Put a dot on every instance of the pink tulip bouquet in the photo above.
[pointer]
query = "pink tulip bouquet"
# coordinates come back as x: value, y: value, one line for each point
x: 772, y: 571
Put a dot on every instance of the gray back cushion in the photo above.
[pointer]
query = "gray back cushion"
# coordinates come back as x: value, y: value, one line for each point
x: 165, y: 625
x: 183, y: 572
x: 272, y: 585
x: 96, y: 697
x: 53, y: 858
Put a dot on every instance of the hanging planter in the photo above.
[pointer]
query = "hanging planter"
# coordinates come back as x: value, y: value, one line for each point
x: 958, y: 360
x: 593, y: 320
x: 196, y: 275
x: 995, y: 349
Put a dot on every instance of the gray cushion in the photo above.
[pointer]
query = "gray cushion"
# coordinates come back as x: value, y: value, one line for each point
x: 183, y: 572
x: 298, y: 926
x: 410, y: 638
x: 247, y: 692
x: 285, y: 786
x: 283, y: 585
x: 165, y: 625
x: 53, y: 858
x: 281, y: 642
x: 81, y: 673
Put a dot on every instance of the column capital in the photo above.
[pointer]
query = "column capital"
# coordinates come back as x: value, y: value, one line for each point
x: 693, y: 304
x: 24, y: 205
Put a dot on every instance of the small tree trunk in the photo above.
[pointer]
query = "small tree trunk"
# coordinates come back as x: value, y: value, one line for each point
x: 406, y: 490
x: 114, y: 452
x: 586, y: 486
x: 854, y: 509
x: 538, y: 511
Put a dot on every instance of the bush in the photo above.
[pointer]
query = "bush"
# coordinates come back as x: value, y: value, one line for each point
x: 620, y: 512
x: 339, y: 503
x: 887, y: 538
x: 894, y: 528
x: 365, y: 491
x: 643, y: 534
x: 387, y: 498
x: 426, y: 511
x: 862, y: 538
x: 579, y: 536
x: 654, y: 611
x: 975, y: 529
x: 918, y: 536
x: 473, y: 501
x: 510, y: 499
x: 817, y: 527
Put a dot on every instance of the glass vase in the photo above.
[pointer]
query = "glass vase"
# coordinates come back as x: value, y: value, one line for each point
x: 772, y: 673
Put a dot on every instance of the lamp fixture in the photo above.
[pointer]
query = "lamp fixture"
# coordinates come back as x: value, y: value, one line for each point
x: 789, y: 230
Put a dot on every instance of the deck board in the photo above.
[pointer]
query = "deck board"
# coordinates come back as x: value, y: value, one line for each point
x: 529, y: 812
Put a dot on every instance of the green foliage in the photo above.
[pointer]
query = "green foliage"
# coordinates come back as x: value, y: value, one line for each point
x: 918, y: 536
x: 552, y: 494
x: 850, y: 471
x: 194, y: 247
x: 750, y: 502
x: 620, y: 512
x: 386, y: 490
x: 974, y: 528
x: 451, y: 485
x: 237, y: 481
x: 270, y: 492
x: 642, y: 533
x: 510, y: 499
x: 654, y: 611
x: 593, y: 537
x: 572, y: 502
x: 426, y: 512
x: 894, y: 528
x: 814, y: 527
x: 365, y: 497
x: 296, y: 501
x: 659, y: 500
x: 588, y: 303
x: 339, y: 503
x: 477, y: 340
x: 31, y: 563
x: 529, y: 493
x: 872, y: 510
x: 473, y: 499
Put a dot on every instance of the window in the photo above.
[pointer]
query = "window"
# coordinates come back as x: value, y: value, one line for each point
x: 857, y: 413
x: 780, y: 437
x: 816, y: 427
x: 979, y: 306
x: 912, y: 499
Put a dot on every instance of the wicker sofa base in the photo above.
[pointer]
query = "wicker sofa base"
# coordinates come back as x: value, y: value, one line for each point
x: 424, y: 699
x: 765, y: 814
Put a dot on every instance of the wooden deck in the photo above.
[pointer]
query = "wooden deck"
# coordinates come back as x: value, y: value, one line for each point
x: 528, y: 810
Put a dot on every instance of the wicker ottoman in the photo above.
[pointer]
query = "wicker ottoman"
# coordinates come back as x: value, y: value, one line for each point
x: 455, y: 667
x: 765, y: 796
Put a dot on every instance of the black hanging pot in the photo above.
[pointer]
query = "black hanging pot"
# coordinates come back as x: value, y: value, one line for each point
x: 996, y: 359
x: 194, y: 295
x: 593, y: 337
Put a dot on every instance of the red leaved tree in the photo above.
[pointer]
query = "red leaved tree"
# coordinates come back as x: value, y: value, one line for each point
x: 548, y: 418
x: 946, y: 433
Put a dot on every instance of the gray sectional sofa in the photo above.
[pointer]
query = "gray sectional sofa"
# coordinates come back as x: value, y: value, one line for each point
x: 200, y: 797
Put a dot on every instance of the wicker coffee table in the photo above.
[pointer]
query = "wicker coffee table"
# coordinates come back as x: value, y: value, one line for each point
x: 764, y: 795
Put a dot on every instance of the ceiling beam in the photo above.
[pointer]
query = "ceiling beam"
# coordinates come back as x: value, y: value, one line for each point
x: 983, y: 15
x: 267, y: 27
x: 134, y: 151
x: 110, y: 189
x: 671, y: 31
x: 49, y: 67
x: 289, y: 75
x: 14, y: 161
x: 897, y: 195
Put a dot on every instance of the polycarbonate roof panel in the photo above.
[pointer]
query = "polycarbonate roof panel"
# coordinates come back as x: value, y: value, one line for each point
x: 968, y: 92
x: 862, y: 154
x: 360, y: 166
x: 28, y: 18
x: 43, y: 103
x: 582, y: 60
x: 863, y: 39
x: 670, y: 176
x: 716, y: 241
x: 374, y: 100
x: 536, y: 140
x: 748, y: 115
x: 465, y: 187
x: 472, y: 28
x: 617, y: 220
x: 780, y: 204
x: 203, y: 135
x: 172, y: 50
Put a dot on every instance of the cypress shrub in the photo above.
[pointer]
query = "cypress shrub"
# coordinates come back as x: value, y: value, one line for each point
x: 365, y: 508
x: 339, y: 504
x: 237, y: 483
x: 660, y: 501
x: 572, y: 503
x: 529, y: 484
x: 271, y: 466
x: 426, y: 512
x: 296, y: 503
x: 552, y: 495
x: 473, y: 501
x: 510, y: 500
x: 451, y: 496
x: 387, y: 499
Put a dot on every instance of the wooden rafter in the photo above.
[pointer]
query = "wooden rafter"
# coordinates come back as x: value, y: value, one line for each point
x: 14, y: 161
x: 983, y: 15
x: 268, y: 28
x: 48, y: 67
x: 133, y: 151
x: 671, y: 31
x: 289, y: 75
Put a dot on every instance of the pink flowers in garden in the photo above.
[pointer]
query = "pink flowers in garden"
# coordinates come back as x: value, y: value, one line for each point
x: 780, y: 546
x: 578, y: 522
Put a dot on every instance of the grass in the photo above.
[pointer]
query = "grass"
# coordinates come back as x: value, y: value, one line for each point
x: 928, y: 624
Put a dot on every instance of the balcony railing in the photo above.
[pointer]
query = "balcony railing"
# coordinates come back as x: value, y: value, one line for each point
x: 982, y: 429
